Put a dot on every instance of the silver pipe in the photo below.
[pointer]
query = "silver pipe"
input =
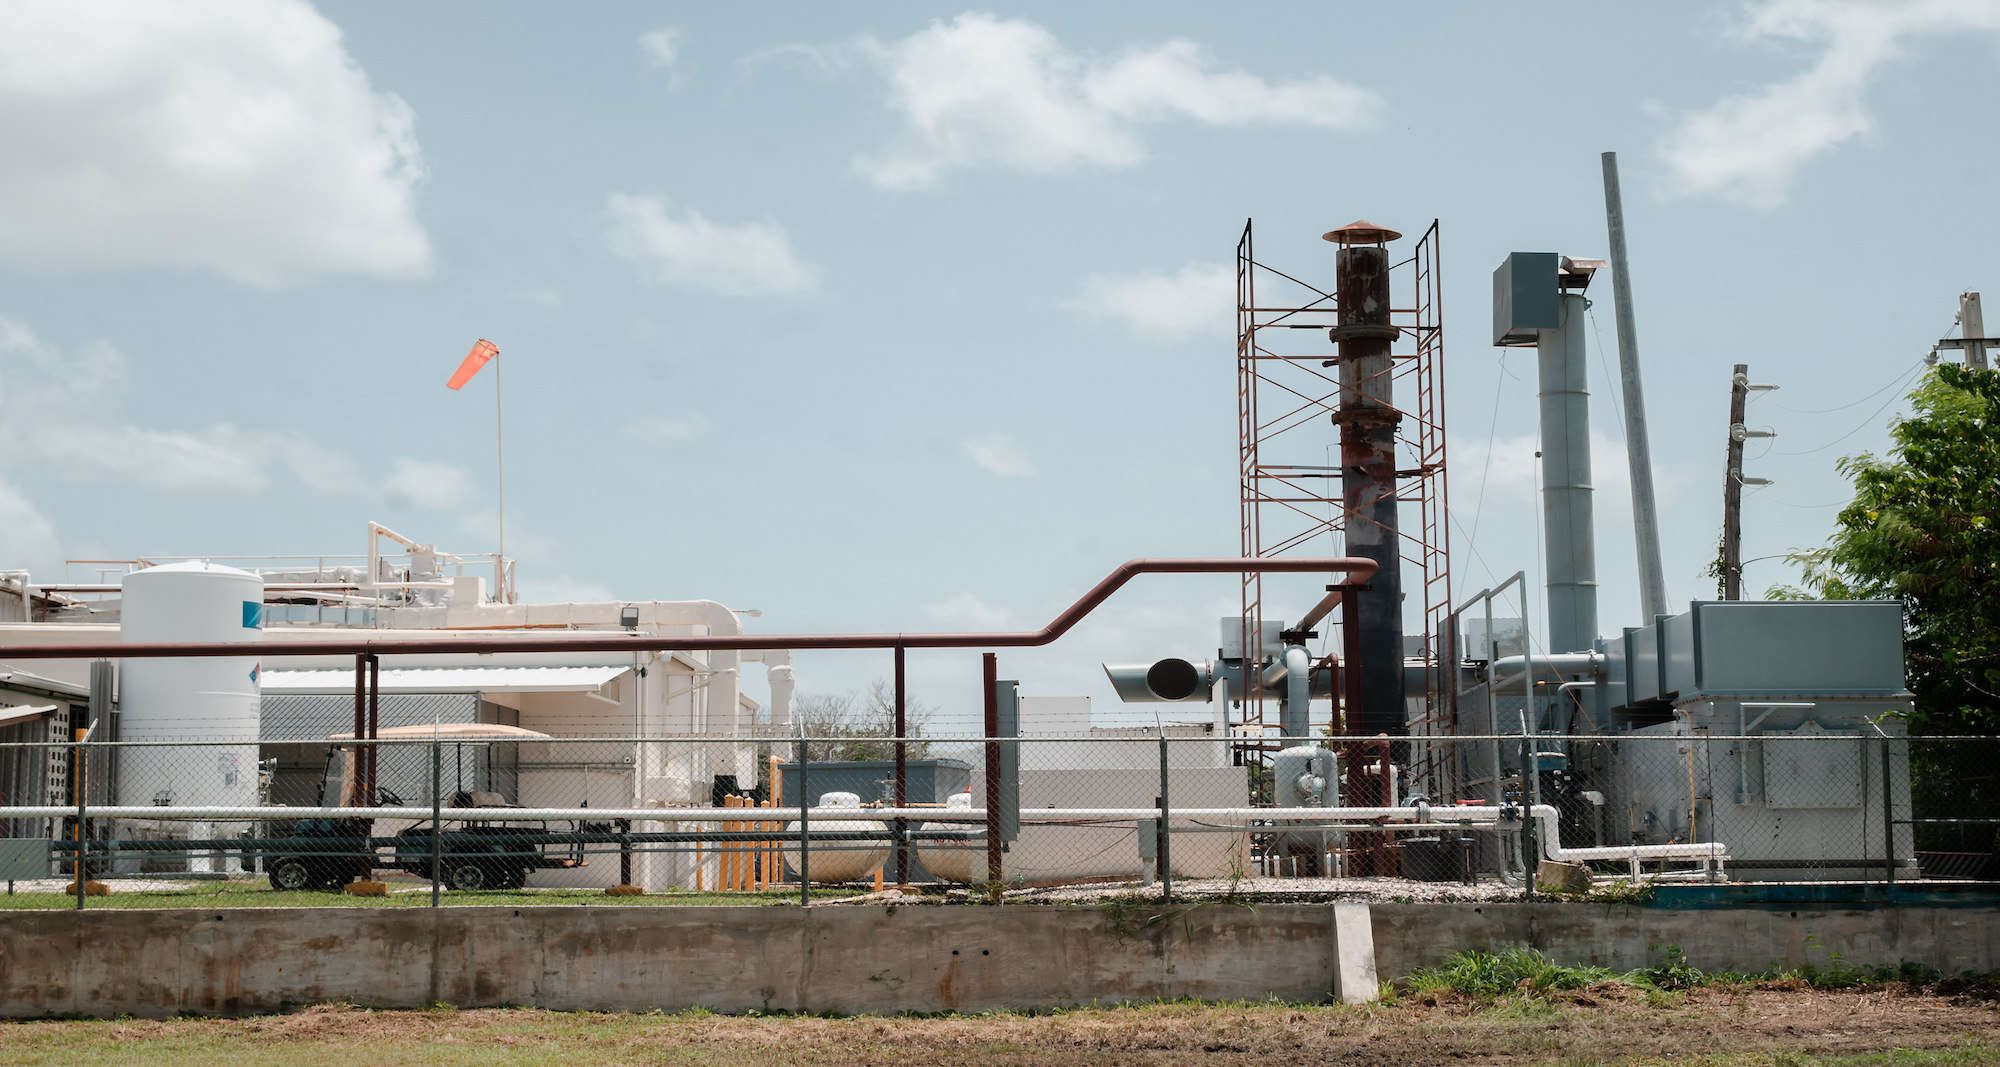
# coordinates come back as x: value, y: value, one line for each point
x: 1638, y: 453
x: 1571, y: 552
x: 1294, y: 719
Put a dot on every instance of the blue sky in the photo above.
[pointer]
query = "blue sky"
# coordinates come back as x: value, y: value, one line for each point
x: 913, y: 317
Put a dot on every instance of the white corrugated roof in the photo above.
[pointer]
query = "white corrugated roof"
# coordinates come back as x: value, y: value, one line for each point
x: 449, y: 680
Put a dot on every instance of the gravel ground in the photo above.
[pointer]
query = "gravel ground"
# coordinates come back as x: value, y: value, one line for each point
x: 1277, y: 890
x: 1378, y: 890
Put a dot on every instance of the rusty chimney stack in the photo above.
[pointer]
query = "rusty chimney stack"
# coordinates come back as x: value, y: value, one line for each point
x: 1367, y: 417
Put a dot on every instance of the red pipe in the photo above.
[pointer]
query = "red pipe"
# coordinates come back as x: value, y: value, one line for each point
x: 1357, y: 569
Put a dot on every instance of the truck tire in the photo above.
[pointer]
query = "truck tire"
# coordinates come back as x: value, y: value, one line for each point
x: 468, y: 875
x: 290, y: 874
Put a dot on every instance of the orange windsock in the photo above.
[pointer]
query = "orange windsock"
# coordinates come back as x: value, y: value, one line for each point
x: 475, y: 359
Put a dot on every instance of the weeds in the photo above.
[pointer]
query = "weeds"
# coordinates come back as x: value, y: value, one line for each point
x: 1521, y: 971
x: 1492, y: 974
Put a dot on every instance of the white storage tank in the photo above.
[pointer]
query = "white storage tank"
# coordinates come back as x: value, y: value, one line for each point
x: 841, y: 861
x: 955, y: 861
x: 193, y: 699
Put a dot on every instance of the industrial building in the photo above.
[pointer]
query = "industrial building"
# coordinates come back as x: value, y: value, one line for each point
x: 283, y: 710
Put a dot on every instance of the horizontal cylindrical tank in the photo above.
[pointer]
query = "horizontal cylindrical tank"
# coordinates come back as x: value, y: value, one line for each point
x: 841, y: 861
x: 196, y: 699
x: 954, y: 861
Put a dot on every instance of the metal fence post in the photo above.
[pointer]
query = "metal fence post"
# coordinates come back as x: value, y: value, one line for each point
x: 1888, y: 814
x: 805, y: 825
x: 82, y: 794
x: 1164, y: 862
x: 994, y: 874
x: 902, y: 776
x: 1529, y: 853
x: 437, y: 819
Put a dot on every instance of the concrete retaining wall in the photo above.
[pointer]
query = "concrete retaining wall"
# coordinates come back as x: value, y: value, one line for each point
x: 108, y: 961
x: 1951, y: 940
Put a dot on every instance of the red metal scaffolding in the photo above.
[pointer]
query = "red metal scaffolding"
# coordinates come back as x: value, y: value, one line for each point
x: 1288, y: 446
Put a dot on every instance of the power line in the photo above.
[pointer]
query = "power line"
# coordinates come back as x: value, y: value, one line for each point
x: 1865, y: 423
x: 1855, y: 403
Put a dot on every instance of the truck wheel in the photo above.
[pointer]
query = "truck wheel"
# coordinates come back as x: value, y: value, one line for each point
x: 466, y: 875
x: 290, y: 874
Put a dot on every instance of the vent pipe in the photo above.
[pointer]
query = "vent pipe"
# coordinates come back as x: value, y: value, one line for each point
x: 1538, y: 300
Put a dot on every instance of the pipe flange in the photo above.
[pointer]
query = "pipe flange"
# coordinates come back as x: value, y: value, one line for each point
x: 1364, y: 331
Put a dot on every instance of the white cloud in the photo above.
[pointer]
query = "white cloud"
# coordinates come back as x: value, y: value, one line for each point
x: 663, y: 430
x: 999, y: 454
x: 426, y: 484
x: 1748, y: 148
x: 1200, y: 298
x: 48, y: 388
x: 984, y: 90
x: 232, y: 136
x: 662, y: 48
x: 27, y: 537
x: 684, y: 247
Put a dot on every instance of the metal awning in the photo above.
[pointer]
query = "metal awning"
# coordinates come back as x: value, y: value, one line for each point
x: 448, y: 680
x: 17, y: 716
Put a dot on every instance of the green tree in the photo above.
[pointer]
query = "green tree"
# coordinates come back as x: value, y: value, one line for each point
x: 1924, y: 527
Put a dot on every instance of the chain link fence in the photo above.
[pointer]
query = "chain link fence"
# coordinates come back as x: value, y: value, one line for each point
x: 452, y: 807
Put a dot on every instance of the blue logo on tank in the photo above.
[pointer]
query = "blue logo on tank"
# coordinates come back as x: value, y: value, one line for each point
x: 253, y: 615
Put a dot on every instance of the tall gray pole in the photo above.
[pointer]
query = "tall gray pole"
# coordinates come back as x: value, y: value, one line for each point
x: 1972, y: 323
x: 1638, y: 453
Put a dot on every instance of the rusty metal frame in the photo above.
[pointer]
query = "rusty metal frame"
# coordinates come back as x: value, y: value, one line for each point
x: 1283, y: 387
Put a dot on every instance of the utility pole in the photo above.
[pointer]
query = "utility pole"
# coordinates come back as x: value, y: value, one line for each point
x: 1971, y: 339
x: 1734, y: 481
x: 1732, y: 488
x: 1972, y: 327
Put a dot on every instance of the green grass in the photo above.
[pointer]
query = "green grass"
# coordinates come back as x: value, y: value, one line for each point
x: 258, y: 894
x: 1492, y: 974
x: 1521, y: 970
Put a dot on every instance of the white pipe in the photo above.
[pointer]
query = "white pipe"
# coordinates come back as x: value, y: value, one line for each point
x: 1545, y: 816
x: 1477, y: 816
x: 1456, y: 816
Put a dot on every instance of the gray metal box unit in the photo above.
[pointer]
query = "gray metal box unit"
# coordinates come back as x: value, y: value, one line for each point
x: 927, y: 781
x: 1526, y: 297
x: 1642, y: 663
x: 23, y: 859
x: 1763, y: 648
